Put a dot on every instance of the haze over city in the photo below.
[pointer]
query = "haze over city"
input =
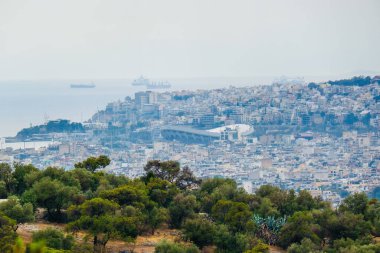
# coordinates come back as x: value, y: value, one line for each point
x: 92, y: 39
x: 190, y: 126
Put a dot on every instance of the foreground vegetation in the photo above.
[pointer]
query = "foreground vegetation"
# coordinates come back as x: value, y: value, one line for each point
x: 213, y: 214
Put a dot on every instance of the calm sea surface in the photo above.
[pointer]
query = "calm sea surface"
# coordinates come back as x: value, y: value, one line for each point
x: 25, y: 103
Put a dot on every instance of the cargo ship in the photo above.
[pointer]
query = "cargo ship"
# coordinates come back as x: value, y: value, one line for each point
x: 141, y: 81
x: 159, y: 85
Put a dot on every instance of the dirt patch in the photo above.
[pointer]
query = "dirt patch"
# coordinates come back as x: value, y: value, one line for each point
x: 142, y: 244
x: 274, y: 249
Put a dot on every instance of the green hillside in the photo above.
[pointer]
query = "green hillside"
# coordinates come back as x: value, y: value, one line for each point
x: 214, y: 215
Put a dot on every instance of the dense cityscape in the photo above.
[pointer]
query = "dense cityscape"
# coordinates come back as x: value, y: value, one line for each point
x: 202, y: 126
x: 322, y: 137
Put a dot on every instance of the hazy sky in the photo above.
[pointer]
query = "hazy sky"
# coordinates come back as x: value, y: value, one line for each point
x: 197, y: 38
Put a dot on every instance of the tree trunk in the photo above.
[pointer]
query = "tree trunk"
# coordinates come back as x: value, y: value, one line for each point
x: 99, y: 245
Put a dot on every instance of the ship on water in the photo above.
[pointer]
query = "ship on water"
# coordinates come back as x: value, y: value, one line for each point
x: 82, y: 86
x: 159, y: 85
x: 141, y: 81
x: 289, y: 80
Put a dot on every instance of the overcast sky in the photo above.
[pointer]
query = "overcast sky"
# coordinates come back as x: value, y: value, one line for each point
x: 45, y: 39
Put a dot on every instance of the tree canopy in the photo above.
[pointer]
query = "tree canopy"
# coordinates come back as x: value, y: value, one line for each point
x: 94, y: 163
x: 209, y: 214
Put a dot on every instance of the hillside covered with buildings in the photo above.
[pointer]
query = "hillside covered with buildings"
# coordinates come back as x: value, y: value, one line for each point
x: 322, y: 137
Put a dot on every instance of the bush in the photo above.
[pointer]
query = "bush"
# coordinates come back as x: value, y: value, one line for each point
x: 14, y: 210
x: 306, y: 246
x: 170, y: 247
x: 7, y: 233
x: 260, y: 247
x: 200, y: 231
x: 54, y: 238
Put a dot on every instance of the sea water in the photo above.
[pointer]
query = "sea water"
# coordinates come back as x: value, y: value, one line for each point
x: 25, y: 103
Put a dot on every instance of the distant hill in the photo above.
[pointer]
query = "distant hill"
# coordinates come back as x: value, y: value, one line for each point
x: 54, y: 126
x: 355, y: 81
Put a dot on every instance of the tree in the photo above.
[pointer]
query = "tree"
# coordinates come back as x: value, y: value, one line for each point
x: 213, y: 190
x: 372, y: 214
x: 59, y: 174
x: 355, y: 203
x: 7, y: 233
x: 267, y: 190
x: 161, y: 191
x: 114, y: 180
x: 235, y: 214
x: 349, y: 225
x: 224, y: 240
x: 209, y: 185
x: 130, y: 194
x: 361, y: 246
x: 287, y: 202
x: 181, y: 208
x: 29, y: 197
x: 93, y: 163
x: 53, y: 195
x: 230, y: 242
x: 103, y: 220
x: 199, y: 230
x: 54, y: 238
x: 3, y: 190
x: 88, y: 181
x: 167, y: 170
x: 171, y: 171
x: 6, y: 176
x: 373, y: 210
x: 15, y: 210
x: 325, y: 218
x: 158, y: 217
x: 186, y: 179
x: 299, y: 226
x: 284, y: 201
x: 376, y: 227
x: 305, y: 201
x: 260, y: 247
x: 20, y: 173
x: 267, y: 208
x: 306, y: 245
